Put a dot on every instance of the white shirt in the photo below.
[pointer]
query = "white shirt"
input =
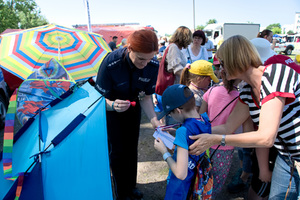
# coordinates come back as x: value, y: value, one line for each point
x: 209, y: 45
x: 202, y: 55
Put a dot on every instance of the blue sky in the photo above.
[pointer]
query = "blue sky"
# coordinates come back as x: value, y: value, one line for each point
x: 166, y: 15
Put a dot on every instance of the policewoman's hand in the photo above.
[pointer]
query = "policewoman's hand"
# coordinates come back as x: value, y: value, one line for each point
x: 121, y: 105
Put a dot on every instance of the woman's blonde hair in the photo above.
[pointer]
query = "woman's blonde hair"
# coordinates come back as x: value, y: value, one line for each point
x: 182, y: 37
x: 237, y: 54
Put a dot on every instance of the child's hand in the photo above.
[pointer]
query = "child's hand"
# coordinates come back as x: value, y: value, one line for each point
x: 172, y: 131
x: 160, y: 146
x: 154, y: 99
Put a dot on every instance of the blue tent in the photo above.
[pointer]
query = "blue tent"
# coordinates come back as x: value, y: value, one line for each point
x: 73, y: 152
x: 276, y: 35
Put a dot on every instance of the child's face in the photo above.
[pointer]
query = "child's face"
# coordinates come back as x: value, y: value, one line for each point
x: 203, y: 81
x: 218, y: 71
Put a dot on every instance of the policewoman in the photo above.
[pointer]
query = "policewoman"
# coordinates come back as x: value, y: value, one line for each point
x: 128, y: 75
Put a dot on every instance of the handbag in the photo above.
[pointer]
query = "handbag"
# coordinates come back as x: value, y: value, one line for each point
x: 164, y: 78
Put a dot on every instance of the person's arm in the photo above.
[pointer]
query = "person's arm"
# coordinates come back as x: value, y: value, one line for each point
x: 269, y: 121
x: 147, y: 106
x: 179, y: 168
x: 211, y: 46
x: 273, y: 44
x: 178, y: 74
x: 237, y: 117
x: 174, y: 56
x: 154, y: 99
x: 262, y: 155
x: 204, y: 107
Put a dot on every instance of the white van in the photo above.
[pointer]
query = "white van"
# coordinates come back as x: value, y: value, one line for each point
x: 287, y: 43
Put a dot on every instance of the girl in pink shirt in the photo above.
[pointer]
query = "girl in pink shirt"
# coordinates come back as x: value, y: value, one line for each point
x: 214, y: 103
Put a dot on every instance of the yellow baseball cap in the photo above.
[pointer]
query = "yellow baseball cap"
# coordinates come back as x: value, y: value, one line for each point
x: 203, y: 68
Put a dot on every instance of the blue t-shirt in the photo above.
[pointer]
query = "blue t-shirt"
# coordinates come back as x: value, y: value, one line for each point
x: 176, y: 188
x: 161, y: 49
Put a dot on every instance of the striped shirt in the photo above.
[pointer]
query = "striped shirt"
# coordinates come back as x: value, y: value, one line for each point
x: 282, y: 81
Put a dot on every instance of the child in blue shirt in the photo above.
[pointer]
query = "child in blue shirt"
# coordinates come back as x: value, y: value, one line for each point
x: 178, y: 101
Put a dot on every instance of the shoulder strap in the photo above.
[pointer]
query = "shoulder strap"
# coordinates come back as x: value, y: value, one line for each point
x: 165, y: 52
x: 189, y: 54
x: 224, y: 108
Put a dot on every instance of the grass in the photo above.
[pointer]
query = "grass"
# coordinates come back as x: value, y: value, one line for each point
x: 292, y: 56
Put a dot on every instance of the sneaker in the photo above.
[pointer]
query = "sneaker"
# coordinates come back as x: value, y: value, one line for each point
x: 137, y: 194
x: 236, y: 185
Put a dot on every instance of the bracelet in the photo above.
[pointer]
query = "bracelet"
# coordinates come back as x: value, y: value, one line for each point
x: 166, y: 155
x: 112, y: 106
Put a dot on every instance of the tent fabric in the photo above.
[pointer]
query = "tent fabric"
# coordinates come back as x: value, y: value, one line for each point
x: 35, y: 94
x: 32, y: 186
x: 50, y: 81
x: 76, y: 168
x: 108, y: 32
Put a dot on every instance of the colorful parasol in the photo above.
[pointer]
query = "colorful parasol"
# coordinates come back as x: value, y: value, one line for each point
x: 79, y: 51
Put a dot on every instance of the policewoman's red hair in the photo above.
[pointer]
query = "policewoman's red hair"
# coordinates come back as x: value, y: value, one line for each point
x: 143, y: 41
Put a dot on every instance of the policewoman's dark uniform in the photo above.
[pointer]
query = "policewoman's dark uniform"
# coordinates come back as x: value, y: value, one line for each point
x: 118, y: 78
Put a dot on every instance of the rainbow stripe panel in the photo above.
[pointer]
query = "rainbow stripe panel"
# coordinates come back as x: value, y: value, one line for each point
x: 9, y: 138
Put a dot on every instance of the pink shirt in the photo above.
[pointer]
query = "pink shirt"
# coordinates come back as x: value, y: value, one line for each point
x: 217, y: 98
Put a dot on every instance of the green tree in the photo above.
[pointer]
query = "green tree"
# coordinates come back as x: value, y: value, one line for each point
x: 275, y: 28
x: 211, y: 21
x: 8, y: 17
x: 200, y: 27
x: 22, y: 14
x: 290, y: 32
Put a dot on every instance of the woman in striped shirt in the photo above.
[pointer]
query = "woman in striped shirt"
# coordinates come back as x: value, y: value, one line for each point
x: 270, y: 100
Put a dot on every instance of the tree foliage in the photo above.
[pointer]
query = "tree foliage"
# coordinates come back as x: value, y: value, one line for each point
x: 20, y: 14
x: 275, y: 28
x: 200, y: 27
x: 210, y: 21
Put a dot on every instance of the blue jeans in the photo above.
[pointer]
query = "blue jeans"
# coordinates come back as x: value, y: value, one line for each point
x: 281, y: 178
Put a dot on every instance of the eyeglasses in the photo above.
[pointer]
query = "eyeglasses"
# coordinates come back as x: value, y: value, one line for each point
x: 197, y: 38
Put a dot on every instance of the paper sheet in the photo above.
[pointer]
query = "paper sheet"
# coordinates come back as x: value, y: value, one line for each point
x: 167, y: 138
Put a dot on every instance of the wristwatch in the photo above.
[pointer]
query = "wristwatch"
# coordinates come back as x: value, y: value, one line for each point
x: 223, y: 141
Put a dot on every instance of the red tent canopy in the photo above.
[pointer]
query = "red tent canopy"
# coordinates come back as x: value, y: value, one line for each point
x: 109, y: 31
x: 10, y: 30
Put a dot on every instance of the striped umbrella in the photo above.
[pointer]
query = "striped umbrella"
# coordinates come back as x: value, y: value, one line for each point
x: 79, y: 51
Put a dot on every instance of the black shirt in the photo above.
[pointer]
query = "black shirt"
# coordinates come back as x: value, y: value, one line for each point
x: 112, y: 45
x: 118, y: 78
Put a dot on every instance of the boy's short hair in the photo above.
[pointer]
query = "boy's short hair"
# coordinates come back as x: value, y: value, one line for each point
x: 176, y: 96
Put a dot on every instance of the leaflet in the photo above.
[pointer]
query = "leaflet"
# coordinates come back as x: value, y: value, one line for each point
x: 166, y: 137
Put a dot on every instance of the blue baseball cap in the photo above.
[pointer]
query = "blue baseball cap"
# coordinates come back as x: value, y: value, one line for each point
x: 173, y: 97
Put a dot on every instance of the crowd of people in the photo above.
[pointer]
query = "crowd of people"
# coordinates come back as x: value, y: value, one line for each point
x: 242, y: 96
